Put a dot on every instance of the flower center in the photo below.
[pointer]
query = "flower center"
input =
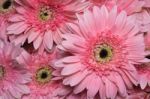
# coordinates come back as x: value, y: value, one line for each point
x: 2, y: 71
x: 103, y: 53
x: 46, y: 13
x: 5, y: 5
x: 43, y: 75
x: 148, y: 56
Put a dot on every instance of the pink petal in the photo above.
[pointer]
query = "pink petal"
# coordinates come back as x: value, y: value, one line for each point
x: 93, y: 86
x: 119, y: 82
x: 57, y: 37
x: 37, y: 42
x: 20, y: 39
x: 48, y: 39
x: 82, y: 26
x: 111, y: 89
x: 132, y: 76
x: 102, y: 90
x: 71, y: 59
x: 33, y: 35
x: 16, y: 94
x: 88, y: 18
x: 104, y: 17
x: 143, y: 81
x: 78, y: 77
x: 23, y: 88
x: 15, y: 26
x: 112, y: 17
x: 125, y: 79
x: 19, y: 30
x: 120, y: 22
x: 97, y: 15
x: 20, y: 10
x: 70, y: 69
x: 16, y: 18
x: 79, y: 88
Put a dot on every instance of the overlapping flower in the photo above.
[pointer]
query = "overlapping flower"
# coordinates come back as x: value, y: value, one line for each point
x: 44, y: 22
x: 14, y: 76
x: 104, y: 53
x: 74, y: 49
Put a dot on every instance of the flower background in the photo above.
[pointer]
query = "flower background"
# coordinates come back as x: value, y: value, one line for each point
x: 74, y: 49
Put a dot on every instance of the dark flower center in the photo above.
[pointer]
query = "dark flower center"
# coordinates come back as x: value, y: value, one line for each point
x: 148, y: 56
x: 7, y: 4
x: 45, y: 14
x: 103, y: 53
x: 43, y: 75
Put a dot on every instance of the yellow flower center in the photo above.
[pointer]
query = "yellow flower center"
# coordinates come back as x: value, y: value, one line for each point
x: 103, y: 53
x: 43, y: 75
x: 46, y: 14
x: 5, y: 6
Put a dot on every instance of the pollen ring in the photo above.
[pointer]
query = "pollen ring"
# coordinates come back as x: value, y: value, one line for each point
x: 103, y: 53
x: 43, y: 75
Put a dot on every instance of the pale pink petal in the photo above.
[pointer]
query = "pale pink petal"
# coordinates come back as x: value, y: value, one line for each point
x: 48, y: 39
x: 15, y: 26
x: 91, y: 89
x: 70, y: 69
x: 37, y: 42
x: 16, y: 18
x: 111, y: 89
x: 32, y: 35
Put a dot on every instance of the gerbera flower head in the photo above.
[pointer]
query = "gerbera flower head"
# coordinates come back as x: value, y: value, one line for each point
x: 105, y: 48
x: 10, y: 68
x: 44, y: 22
x: 136, y: 93
x: 45, y: 79
x: 65, y: 92
x: 6, y: 6
x: 143, y: 20
x: 144, y: 75
x: 129, y: 6
x: 6, y: 9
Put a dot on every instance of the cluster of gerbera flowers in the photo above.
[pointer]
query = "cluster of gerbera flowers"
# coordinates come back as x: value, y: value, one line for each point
x: 74, y: 49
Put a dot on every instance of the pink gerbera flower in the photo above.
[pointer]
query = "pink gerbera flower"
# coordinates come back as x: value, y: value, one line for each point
x: 65, y: 92
x: 130, y: 6
x: 143, y: 20
x: 45, y: 79
x: 13, y: 75
x: 144, y: 69
x: 144, y: 75
x: 43, y: 21
x: 136, y: 93
x: 105, y: 49
x: 7, y: 9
